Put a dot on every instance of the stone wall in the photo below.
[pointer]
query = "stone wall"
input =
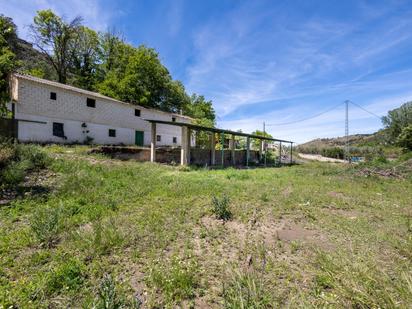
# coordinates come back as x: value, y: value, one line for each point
x: 200, y: 157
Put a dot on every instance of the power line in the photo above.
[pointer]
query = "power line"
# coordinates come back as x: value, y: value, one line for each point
x: 364, y: 109
x: 304, y: 119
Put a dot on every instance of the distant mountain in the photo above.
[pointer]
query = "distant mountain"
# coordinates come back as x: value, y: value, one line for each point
x: 354, y: 140
x: 31, y: 60
x: 369, y: 145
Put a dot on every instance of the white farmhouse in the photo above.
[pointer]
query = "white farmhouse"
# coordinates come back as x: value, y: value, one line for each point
x: 52, y: 112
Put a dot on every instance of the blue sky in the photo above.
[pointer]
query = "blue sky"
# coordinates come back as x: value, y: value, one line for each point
x: 272, y: 61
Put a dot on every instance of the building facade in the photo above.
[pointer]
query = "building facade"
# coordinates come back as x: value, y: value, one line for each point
x: 52, y: 112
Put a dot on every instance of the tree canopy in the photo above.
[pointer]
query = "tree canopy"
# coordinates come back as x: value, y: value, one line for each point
x: 7, y: 58
x: 397, y: 119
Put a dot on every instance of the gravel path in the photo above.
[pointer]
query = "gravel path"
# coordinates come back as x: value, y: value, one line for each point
x: 320, y: 158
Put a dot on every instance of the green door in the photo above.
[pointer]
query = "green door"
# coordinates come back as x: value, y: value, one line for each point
x: 139, y: 138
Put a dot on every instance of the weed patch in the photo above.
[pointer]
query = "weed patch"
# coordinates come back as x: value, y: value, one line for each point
x: 46, y: 224
x: 67, y: 276
x: 221, y: 208
x: 246, y: 290
x: 108, y: 296
x: 177, y: 279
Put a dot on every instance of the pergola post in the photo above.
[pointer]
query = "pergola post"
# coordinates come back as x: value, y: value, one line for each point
x: 212, y: 149
x: 291, y: 154
x: 185, y: 150
x: 153, y: 143
x: 222, y: 138
x: 232, y: 149
x: 265, y: 148
x: 260, y: 150
x: 280, y: 153
x: 247, y: 150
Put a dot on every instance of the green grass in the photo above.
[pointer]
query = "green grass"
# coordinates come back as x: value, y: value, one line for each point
x: 112, y: 234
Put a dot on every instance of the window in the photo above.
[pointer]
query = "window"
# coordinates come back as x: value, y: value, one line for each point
x: 174, y: 140
x: 53, y: 96
x: 158, y: 138
x: 174, y: 119
x: 91, y: 102
x: 58, y: 129
x: 137, y: 112
x: 112, y: 132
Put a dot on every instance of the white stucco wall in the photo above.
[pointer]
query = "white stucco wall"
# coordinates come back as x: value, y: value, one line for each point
x: 70, y: 108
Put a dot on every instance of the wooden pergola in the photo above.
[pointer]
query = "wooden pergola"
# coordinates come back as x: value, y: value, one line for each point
x: 187, y: 129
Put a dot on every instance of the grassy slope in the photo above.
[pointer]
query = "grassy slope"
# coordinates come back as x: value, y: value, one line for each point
x: 151, y: 228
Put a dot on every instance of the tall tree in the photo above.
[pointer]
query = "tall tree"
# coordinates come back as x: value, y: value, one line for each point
x: 397, y: 119
x: 7, y: 59
x: 141, y: 79
x: 55, y: 37
x: 255, y: 142
x: 85, y: 58
x: 200, y: 108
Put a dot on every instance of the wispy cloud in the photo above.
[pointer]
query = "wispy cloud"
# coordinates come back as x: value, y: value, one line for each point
x: 95, y: 15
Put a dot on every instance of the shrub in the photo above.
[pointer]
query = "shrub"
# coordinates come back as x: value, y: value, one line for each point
x: 14, y: 173
x: 16, y: 160
x: 46, y: 225
x: 333, y: 152
x: 7, y: 153
x: 34, y: 154
x: 221, y: 208
x: 405, y: 138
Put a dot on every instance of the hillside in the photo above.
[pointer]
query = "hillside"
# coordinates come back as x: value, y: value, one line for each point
x: 32, y: 61
x: 354, y: 140
x: 364, y: 145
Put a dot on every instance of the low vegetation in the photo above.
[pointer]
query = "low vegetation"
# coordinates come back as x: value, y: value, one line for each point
x: 16, y: 161
x: 123, y: 234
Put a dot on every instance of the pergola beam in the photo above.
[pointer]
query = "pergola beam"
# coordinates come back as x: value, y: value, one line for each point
x: 215, y: 130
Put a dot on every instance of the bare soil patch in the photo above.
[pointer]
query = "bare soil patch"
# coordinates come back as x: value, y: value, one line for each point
x: 35, y: 183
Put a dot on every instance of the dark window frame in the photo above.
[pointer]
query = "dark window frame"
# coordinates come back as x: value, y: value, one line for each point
x: 158, y: 138
x: 137, y: 112
x: 58, y: 129
x: 91, y: 102
x: 112, y: 132
x: 53, y: 96
x: 173, y: 119
x: 174, y: 140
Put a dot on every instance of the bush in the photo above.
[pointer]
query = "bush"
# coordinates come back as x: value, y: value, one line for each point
x: 404, y: 140
x: 34, y: 154
x: 46, y: 225
x: 333, y: 152
x: 16, y: 160
x: 7, y: 153
x: 14, y: 173
x: 221, y: 208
